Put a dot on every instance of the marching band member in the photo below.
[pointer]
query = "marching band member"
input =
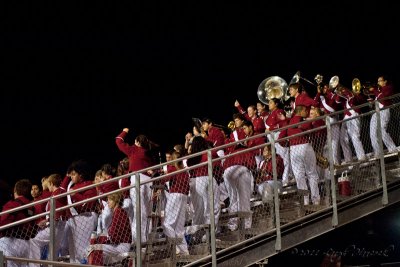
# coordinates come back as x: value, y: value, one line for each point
x: 384, y: 89
x: 326, y: 101
x: 251, y: 115
x: 352, y: 127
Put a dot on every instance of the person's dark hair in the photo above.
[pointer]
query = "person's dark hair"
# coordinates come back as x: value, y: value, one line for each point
x: 248, y: 124
x: 143, y: 141
x: 207, y: 120
x: 23, y: 188
x: 123, y: 166
x: 238, y: 116
x: 108, y: 169
x: 198, y: 144
x: 277, y: 102
x: 82, y: 168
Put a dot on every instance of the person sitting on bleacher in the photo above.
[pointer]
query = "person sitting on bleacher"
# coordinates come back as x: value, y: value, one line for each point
x: 119, y: 237
x: 265, y: 180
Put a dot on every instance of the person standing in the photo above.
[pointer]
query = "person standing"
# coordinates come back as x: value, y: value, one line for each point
x: 383, y: 90
x: 139, y: 159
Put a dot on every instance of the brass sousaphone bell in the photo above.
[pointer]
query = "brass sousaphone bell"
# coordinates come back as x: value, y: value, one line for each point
x: 272, y: 87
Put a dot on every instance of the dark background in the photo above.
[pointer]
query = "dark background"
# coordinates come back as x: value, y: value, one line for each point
x: 75, y: 74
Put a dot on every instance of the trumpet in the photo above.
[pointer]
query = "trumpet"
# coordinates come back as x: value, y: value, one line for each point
x: 322, y: 161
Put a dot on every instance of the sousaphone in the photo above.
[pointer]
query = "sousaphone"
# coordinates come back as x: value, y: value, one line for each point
x: 272, y: 87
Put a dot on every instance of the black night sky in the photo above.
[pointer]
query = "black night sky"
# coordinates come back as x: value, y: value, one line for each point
x: 75, y: 74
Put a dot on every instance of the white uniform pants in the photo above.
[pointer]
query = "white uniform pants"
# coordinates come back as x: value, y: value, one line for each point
x: 239, y: 183
x: 285, y: 155
x: 79, y: 228
x: 200, y: 200
x: 304, y: 167
x: 387, y: 140
x: 174, y: 220
x: 351, y: 128
x: 15, y: 247
x: 145, y: 206
x: 42, y: 239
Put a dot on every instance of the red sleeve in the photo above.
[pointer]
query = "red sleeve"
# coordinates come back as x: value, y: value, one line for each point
x: 122, y: 146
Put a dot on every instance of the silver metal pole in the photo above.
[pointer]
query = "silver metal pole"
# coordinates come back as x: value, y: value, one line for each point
x: 381, y: 156
x: 212, y: 214
x: 331, y: 171
x: 278, y: 243
x: 138, y: 222
x: 52, y: 248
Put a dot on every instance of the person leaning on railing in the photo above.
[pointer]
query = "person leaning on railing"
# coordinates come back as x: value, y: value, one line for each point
x: 14, y: 240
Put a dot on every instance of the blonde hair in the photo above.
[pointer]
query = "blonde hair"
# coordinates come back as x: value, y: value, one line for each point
x: 117, y: 198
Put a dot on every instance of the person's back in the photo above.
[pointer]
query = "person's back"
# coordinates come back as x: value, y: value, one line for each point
x: 14, y: 241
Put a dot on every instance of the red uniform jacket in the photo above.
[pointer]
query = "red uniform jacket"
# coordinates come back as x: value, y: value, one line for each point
x: 40, y: 208
x: 303, y: 139
x: 304, y: 100
x: 215, y: 137
x: 60, y: 202
x: 120, y: 228
x: 82, y: 195
x: 138, y: 157
x: 246, y: 159
x: 272, y: 120
x: 327, y: 102
x: 20, y: 231
x: 258, y: 122
x: 266, y: 169
x: 382, y: 92
x: 178, y: 183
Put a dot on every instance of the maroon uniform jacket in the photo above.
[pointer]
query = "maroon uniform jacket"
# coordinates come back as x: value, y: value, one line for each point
x: 327, y: 103
x: 245, y: 159
x: 303, y: 139
x: 215, y: 137
x: 382, y: 92
x: 266, y: 169
x: 258, y: 122
x: 41, y: 207
x: 272, y: 120
x: 108, y: 187
x: 178, y: 183
x: 82, y: 195
x: 20, y: 231
x: 60, y: 202
x: 203, y: 170
x: 120, y: 228
x: 138, y: 156
x: 304, y: 100
x: 350, y: 100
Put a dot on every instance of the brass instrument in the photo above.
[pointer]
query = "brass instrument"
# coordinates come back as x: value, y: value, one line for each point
x: 231, y: 125
x: 297, y: 77
x: 322, y: 161
x: 338, y: 88
x: 272, y: 87
x: 357, y: 87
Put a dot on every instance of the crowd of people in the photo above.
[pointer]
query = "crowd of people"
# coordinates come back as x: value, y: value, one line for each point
x: 236, y: 178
